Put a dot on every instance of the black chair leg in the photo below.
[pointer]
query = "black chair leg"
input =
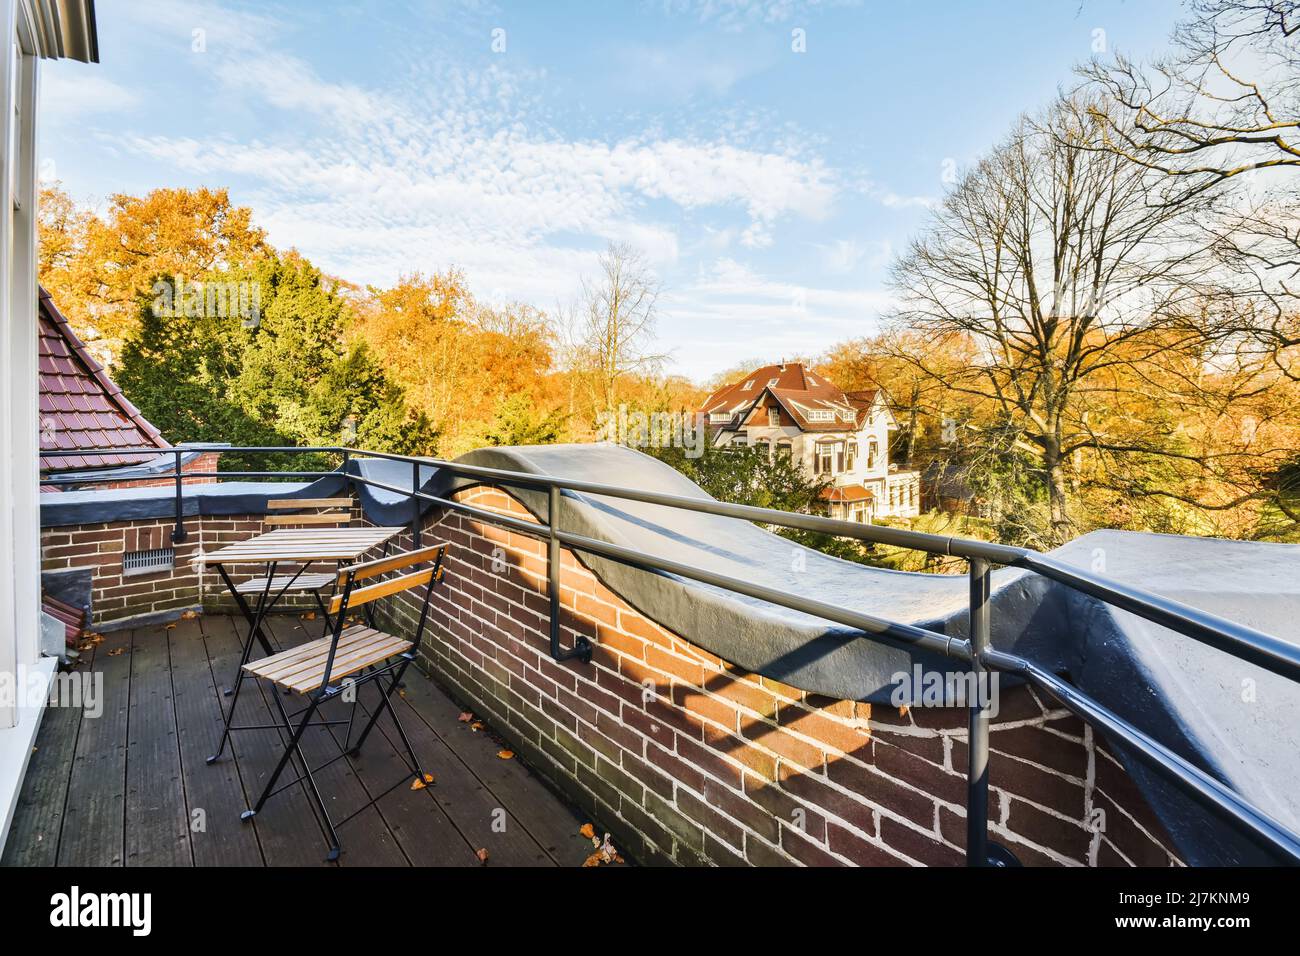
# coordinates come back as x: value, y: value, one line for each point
x: 385, y: 703
x: 290, y: 750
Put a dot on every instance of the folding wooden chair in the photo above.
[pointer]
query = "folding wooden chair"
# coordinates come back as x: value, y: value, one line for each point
x: 315, y: 513
x: 358, y: 653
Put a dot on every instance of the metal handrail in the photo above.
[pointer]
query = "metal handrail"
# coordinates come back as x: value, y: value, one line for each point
x: 1238, y: 640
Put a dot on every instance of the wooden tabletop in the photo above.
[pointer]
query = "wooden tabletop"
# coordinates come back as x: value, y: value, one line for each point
x: 302, y: 545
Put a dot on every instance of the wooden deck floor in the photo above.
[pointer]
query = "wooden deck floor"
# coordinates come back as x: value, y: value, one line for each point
x: 131, y: 788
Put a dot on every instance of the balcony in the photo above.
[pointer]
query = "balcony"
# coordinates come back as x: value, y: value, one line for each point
x: 131, y: 788
x: 651, y: 655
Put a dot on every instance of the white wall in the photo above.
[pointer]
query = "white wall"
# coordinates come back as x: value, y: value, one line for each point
x: 8, y: 358
x: 19, y: 444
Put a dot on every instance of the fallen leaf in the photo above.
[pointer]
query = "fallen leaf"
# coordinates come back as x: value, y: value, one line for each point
x: 505, y: 754
x: 465, y: 717
x: 605, y: 851
x: 189, y: 615
x: 588, y: 831
x: 482, y: 855
x: 171, y: 626
x: 477, y: 725
x: 418, y: 784
x: 116, y: 651
x: 309, y: 616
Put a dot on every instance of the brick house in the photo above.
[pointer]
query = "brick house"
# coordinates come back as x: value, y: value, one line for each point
x: 788, y: 409
x: 82, y: 408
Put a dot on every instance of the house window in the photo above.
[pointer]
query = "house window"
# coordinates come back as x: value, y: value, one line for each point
x: 853, y: 454
x: 765, y: 446
x: 773, y: 416
x: 829, y: 459
x: 821, y: 415
x: 772, y: 381
x: 785, y: 450
x: 872, y: 449
x: 747, y: 386
x: 719, y: 417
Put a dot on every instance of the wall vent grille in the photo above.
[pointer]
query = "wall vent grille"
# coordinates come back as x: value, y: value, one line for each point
x: 148, y: 562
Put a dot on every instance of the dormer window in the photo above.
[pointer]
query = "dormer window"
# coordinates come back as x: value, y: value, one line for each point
x: 773, y: 416
x: 772, y: 381
x: 747, y: 386
x: 717, y: 417
x: 821, y: 415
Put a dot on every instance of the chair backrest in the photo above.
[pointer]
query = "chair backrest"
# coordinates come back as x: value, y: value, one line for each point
x: 349, y: 597
x: 308, y: 512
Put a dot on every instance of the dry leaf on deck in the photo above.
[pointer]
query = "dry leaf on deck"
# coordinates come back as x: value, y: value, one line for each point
x: 418, y: 784
x: 116, y: 651
x: 482, y: 855
x: 588, y: 831
x: 465, y: 717
x: 505, y: 754
x: 189, y: 615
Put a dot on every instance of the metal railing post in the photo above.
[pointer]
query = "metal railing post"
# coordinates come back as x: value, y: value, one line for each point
x: 581, y: 648
x: 977, y: 769
x: 178, y: 533
x: 553, y: 564
x: 415, y: 504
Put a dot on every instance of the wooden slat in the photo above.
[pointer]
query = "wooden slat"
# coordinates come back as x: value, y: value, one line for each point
x: 304, y: 582
x: 323, y: 517
x: 282, y: 503
x: 217, y: 790
x: 374, y: 592
x: 157, y: 818
x: 303, y: 668
x: 391, y: 563
x: 305, y: 544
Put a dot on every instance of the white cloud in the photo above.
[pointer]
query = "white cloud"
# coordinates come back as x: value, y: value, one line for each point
x: 450, y: 169
x: 70, y: 90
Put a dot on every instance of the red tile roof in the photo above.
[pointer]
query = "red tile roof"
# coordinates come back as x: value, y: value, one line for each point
x: 847, y: 493
x: 80, y: 406
x: 799, y: 391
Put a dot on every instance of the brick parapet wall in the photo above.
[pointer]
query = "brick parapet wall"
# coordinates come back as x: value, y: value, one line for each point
x: 688, y: 759
x: 116, y: 596
x: 684, y: 757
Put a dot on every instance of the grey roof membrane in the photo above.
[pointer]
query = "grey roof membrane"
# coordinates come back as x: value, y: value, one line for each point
x: 1235, y: 720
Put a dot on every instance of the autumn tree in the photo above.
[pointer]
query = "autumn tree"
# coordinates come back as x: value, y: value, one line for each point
x: 1055, y: 260
x: 611, y: 330
x: 458, y: 359
x: 97, y: 267
x: 1221, y: 114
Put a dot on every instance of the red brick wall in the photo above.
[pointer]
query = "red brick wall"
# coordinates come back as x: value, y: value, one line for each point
x: 100, y: 547
x: 685, y: 758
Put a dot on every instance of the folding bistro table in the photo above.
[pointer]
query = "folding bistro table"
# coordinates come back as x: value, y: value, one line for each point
x: 298, y: 546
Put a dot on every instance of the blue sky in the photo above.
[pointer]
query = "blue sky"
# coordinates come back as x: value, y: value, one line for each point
x: 768, y: 188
